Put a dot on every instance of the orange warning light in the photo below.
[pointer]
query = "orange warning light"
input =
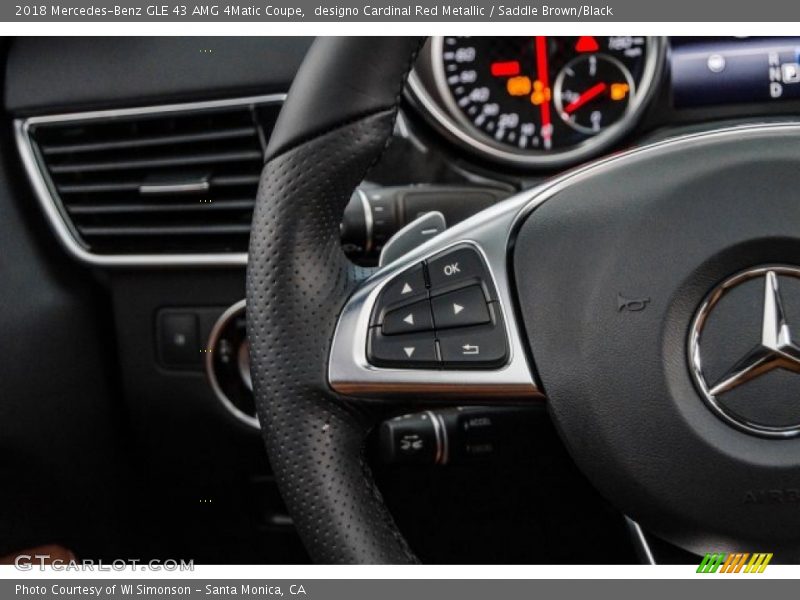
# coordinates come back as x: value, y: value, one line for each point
x: 619, y: 91
x: 519, y: 86
x: 540, y: 93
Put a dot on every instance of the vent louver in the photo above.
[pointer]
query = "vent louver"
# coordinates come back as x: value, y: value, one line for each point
x: 157, y: 182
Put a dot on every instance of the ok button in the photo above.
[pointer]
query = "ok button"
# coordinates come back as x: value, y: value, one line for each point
x: 451, y: 269
x: 458, y: 266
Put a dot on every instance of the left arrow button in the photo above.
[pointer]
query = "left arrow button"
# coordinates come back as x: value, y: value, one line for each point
x: 407, y: 319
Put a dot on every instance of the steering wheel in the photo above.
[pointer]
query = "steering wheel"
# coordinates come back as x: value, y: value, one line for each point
x: 647, y: 298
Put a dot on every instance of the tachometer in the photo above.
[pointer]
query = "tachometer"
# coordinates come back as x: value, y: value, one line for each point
x: 542, y: 99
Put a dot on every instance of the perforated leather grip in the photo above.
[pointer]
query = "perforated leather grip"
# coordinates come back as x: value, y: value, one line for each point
x: 338, y: 118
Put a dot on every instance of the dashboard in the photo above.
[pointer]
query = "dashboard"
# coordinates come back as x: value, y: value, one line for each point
x: 126, y: 198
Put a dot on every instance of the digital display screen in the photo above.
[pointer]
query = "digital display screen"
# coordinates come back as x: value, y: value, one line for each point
x: 714, y: 71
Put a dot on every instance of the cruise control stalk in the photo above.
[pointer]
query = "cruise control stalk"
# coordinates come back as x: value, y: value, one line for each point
x: 454, y: 435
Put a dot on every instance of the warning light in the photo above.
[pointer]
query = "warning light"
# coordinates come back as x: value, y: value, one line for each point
x: 619, y: 91
x: 519, y: 86
x: 540, y: 95
x: 505, y: 69
x: 587, y: 43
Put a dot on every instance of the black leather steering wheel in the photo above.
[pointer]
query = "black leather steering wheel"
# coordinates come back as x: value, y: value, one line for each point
x: 342, y: 109
x: 604, y: 278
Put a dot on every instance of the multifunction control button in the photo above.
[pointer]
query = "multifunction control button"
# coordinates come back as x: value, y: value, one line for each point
x: 481, y: 345
x: 403, y: 287
x: 409, y: 350
x: 414, y: 317
x: 442, y: 313
x: 459, y: 267
x: 462, y: 307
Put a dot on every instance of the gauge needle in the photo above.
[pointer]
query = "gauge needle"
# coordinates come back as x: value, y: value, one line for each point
x: 544, y: 78
x: 585, y: 97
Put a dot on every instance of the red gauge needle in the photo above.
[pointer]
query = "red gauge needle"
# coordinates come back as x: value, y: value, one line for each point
x: 544, y: 78
x: 591, y: 93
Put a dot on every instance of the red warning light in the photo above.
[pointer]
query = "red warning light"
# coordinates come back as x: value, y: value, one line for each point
x: 505, y: 69
x: 586, y: 43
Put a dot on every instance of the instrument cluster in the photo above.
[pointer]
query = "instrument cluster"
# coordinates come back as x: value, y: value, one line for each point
x: 537, y: 101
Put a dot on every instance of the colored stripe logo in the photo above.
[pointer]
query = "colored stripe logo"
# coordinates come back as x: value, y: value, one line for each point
x: 735, y: 562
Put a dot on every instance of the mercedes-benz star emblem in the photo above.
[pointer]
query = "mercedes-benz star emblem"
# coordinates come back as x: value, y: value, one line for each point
x: 776, y: 350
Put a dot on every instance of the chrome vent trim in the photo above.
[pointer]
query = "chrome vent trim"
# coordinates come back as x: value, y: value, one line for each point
x: 45, y: 191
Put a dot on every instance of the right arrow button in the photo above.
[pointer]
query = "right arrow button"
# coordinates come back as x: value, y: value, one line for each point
x: 466, y: 306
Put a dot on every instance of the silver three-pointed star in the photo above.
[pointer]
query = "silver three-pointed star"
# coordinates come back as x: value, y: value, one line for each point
x: 776, y: 349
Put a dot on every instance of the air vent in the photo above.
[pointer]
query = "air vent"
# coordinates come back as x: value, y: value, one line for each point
x: 180, y: 180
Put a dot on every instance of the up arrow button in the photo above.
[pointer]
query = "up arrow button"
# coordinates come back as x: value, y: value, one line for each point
x: 401, y: 290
